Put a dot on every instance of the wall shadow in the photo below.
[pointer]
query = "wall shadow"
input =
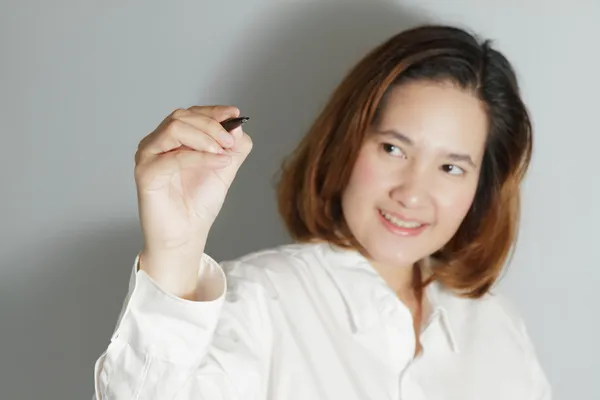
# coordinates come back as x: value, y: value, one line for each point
x: 68, y: 315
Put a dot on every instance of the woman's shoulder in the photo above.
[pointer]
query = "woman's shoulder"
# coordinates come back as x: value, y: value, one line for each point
x: 269, y: 255
x: 268, y: 267
x: 279, y: 258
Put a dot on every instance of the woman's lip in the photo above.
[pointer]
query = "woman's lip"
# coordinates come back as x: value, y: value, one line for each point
x: 401, y: 217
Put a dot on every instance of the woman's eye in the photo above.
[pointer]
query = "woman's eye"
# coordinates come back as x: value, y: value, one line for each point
x: 453, y: 169
x: 393, y: 150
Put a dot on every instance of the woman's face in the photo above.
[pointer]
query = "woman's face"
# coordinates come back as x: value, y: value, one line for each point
x: 416, y: 175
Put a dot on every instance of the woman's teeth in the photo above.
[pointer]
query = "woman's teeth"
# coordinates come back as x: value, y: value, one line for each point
x: 400, y: 223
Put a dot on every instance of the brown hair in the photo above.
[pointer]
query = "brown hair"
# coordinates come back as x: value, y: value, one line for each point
x: 314, y: 177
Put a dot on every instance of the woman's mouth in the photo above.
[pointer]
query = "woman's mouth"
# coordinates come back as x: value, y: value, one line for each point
x: 401, y: 226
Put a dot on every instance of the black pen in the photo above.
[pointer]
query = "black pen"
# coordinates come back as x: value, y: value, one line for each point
x: 232, y: 123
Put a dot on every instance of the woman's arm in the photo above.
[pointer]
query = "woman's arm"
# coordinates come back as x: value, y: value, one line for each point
x: 166, y: 347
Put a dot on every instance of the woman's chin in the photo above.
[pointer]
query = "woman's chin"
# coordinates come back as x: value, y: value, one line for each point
x: 396, y: 257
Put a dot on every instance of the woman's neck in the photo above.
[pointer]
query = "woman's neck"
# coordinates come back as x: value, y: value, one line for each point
x: 399, y: 278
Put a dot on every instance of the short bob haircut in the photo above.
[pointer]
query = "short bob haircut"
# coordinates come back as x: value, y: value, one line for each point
x: 314, y: 177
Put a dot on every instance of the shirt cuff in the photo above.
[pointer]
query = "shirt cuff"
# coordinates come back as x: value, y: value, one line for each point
x: 164, y: 326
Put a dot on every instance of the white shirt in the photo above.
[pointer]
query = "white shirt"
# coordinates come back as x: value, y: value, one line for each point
x: 312, y: 322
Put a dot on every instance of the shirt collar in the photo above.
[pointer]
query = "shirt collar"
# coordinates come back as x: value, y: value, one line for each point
x: 354, y: 278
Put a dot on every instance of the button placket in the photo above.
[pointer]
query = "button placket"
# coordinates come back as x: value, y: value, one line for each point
x: 398, y: 325
x: 409, y: 388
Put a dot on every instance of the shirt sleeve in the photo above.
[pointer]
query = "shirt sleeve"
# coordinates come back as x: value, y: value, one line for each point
x: 539, y: 381
x: 539, y: 387
x: 165, y: 347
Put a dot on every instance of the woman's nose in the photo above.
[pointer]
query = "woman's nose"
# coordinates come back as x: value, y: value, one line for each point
x: 411, y: 192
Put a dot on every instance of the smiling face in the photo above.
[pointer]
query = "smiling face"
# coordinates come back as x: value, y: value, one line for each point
x: 416, y: 175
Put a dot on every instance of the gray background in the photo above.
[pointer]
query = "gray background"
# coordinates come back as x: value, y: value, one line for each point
x: 81, y: 82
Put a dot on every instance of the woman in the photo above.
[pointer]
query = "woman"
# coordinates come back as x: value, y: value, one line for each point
x: 403, y: 200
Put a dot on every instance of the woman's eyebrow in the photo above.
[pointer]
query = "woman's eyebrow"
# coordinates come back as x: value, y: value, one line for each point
x: 462, y: 157
x: 398, y: 135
